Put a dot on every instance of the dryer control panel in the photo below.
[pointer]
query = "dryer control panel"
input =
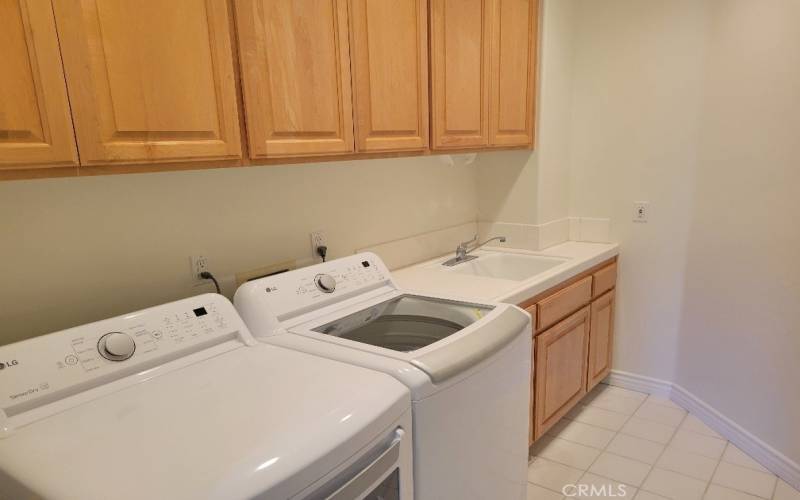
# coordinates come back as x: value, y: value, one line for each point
x: 312, y: 287
x: 43, y: 369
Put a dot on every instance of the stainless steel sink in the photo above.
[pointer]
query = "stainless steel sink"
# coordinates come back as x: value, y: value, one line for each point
x: 507, y: 266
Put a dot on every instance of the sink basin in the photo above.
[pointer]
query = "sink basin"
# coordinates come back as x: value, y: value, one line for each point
x: 508, y: 266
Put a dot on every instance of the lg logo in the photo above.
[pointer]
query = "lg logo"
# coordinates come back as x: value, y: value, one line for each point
x: 8, y: 364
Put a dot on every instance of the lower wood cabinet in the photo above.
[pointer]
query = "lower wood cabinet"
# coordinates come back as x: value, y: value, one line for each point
x: 573, y: 334
x: 601, y: 339
x: 560, y: 363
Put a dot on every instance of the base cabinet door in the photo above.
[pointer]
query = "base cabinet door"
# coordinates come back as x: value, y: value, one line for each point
x: 601, y: 339
x: 150, y: 81
x: 35, y: 122
x: 560, y: 360
x: 295, y: 58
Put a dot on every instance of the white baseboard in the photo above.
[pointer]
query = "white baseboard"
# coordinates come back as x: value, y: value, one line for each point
x: 761, y: 452
x: 640, y: 383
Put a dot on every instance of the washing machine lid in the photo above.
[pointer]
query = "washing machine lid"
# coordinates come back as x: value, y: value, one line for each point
x: 234, y: 421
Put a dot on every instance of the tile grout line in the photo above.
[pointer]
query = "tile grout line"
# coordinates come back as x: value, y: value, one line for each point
x: 666, y: 445
x: 714, y: 473
x: 616, y: 433
x: 774, y: 485
x: 602, y: 450
x: 720, y: 462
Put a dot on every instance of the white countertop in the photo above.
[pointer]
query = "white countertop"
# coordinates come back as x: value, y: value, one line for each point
x: 431, y: 277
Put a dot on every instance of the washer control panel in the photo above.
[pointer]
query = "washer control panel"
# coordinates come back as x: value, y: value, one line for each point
x: 314, y: 286
x: 44, y: 368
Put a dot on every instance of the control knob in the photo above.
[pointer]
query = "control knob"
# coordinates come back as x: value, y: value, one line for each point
x: 325, y: 283
x: 116, y: 346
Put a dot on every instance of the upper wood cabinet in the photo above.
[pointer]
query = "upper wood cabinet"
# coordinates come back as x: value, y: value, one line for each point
x: 295, y: 59
x: 94, y: 84
x: 483, y: 71
x: 35, y: 122
x: 150, y: 80
x: 460, y: 32
x: 389, y: 47
x: 515, y: 26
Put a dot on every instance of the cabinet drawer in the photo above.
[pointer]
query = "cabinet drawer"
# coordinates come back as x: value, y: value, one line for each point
x: 564, y: 302
x: 604, y: 280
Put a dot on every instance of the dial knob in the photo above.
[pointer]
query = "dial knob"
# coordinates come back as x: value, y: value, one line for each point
x: 116, y: 346
x: 325, y: 283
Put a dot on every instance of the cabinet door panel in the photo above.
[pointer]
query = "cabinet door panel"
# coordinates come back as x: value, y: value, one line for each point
x: 35, y: 121
x: 390, y: 73
x: 150, y: 80
x: 460, y: 31
x: 560, y: 381
x: 601, y: 339
x: 296, y: 76
x: 514, y: 39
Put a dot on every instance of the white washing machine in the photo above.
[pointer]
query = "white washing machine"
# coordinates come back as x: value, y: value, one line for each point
x: 179, y: 402
x: 468, y: 365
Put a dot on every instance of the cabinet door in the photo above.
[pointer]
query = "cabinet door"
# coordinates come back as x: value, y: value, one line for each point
x: 35, y: 122
x: 390, y: 74
x: 150, y: 80
x: 601, y: 339
x: 560, y: 359
x: 460, y: 43
x: 296, y: 76
x: 513, y: 72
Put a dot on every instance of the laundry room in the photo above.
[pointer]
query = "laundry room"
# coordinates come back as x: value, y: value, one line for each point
x: 406, y: 249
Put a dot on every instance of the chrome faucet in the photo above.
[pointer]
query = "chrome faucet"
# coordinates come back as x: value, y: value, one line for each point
x: 463, y: 250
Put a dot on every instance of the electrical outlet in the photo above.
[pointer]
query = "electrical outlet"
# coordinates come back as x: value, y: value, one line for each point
x: 199, y: 263
x: 641, y: 211
x: 317, y: 240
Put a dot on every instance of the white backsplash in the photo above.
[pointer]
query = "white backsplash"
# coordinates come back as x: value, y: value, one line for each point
x: 417, y: 248
x: 541, y: 236
x: 590, y: 229
x: 406, y: 251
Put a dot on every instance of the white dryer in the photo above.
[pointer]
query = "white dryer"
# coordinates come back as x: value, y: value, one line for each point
x: 179, y: 402
x: 468, y: 365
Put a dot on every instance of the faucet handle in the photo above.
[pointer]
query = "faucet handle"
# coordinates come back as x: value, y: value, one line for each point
x: 462, y: 247
x: 465, y: 243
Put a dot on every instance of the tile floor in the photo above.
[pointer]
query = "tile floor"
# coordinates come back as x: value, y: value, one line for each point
x: 627, y: 444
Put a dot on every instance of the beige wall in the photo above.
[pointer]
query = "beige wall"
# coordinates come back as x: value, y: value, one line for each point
x: 79, y: 250
x: 739, y: 334
x: 693, y: 106
x: 634, y: 124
